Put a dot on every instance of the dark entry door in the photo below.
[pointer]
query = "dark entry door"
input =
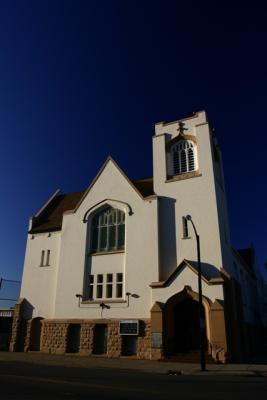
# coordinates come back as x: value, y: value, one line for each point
x: 35, y: 334
x: 100, y: 339
x: 5, y: 332
x: 74, y: 338
x: 186, y: 326
x: 129, y: 345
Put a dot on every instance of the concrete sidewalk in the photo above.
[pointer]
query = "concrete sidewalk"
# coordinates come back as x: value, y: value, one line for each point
x: 158, y: 367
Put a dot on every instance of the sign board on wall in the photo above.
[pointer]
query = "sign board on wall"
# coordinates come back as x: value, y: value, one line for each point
x: 129, y: 327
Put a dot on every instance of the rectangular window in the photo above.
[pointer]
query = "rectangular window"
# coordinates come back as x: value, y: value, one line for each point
x: 109, y: 291
x: 119, y: 285
x: 185, y: 228
x: 99, y: 287
x: 99, y: 291
x: 48, y: 257
x: 119, y: 290
x: 42, y: 258
x: 109, y: 286
x: 105, y: 286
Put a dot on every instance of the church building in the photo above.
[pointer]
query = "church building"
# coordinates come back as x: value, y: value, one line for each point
x: 113, y: 270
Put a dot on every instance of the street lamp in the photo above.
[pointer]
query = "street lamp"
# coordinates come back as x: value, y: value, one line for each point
x: 201, y: 322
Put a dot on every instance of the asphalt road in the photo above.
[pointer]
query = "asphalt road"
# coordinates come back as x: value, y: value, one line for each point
x: 19, y: 380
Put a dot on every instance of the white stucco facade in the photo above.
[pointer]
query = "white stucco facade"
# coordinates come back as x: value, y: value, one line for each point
x: 155, y: 243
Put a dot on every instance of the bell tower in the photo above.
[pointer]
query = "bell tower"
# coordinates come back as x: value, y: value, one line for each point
x: 188, y: 179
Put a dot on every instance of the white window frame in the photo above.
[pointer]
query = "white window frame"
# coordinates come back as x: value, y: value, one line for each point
x: 116, y: 283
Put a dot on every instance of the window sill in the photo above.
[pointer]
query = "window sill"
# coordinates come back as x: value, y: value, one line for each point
x: 103, y: 253
x: 106, y: 301
x: 180, y: 177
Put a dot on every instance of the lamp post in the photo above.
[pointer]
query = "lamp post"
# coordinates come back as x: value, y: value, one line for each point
x: 201, y: 322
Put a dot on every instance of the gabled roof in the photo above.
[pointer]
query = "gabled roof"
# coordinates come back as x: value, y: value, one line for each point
x: 144, y: 186
x: 113, y: 162
x: 50, y: 219
x: 247, y: 257
x: 210, y: 274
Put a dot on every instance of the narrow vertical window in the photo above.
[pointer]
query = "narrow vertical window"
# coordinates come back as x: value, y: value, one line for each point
x: 99, y: 287
x: 42, y: 258
x: 119, y: 285
x: 185, y: 228
x: 109, y: 286
x: 48, y: 258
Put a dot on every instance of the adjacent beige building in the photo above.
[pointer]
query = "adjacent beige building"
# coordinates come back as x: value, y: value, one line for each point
x: 113, y: 270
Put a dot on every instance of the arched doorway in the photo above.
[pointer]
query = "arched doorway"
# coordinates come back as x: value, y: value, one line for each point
x: 186, y: 326
x: 181, y: 323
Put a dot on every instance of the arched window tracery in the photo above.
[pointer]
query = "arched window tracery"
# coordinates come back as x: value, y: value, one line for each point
x: 108, y: 230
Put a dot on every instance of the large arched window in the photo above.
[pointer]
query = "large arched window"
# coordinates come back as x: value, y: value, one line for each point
x: 108, y: 230
x: 183, y: 157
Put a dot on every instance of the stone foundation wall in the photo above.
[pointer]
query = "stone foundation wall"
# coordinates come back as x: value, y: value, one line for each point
x: 114, y: 340
x: 19, y: 327
x: 86, y: 338
x: 144, y: 341
x: 54, y: 337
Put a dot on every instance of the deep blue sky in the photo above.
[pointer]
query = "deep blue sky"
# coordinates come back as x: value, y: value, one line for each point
x: 80, y: 80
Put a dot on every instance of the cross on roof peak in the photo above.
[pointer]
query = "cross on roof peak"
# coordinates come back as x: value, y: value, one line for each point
x: 181, y: 127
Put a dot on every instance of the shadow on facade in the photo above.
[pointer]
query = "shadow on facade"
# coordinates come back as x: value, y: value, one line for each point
x: 167, y: 232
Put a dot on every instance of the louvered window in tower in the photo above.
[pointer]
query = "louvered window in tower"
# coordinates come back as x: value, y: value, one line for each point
x: 191, y: 161
x: 183, y: 162
x: 176, y: 162
x: 183, y: 157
